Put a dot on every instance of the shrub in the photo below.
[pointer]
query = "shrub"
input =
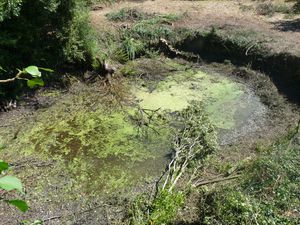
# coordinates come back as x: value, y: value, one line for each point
x: 49, y: 33
x: 52, y: 33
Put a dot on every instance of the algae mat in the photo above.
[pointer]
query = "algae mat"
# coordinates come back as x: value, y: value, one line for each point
x: 93, y: 138
x: 229, y: 104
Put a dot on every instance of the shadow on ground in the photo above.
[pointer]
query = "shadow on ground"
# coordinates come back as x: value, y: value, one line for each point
x: 290, y: 25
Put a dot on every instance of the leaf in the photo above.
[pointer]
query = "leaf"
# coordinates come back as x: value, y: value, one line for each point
x: 1, y: 69
x: 35, y: 82
x: 10, y: 183
x: 33, y: 71
x: 46, y: 69
x: 3, y: 166
x: 21, y: 205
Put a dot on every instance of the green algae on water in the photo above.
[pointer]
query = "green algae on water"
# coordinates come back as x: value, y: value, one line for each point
x: 102, y: 148
x: 221, y: 96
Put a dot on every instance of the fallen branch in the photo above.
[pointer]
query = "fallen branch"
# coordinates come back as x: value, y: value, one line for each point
x: 192, y: 143
x: 177, y: 53
x: 202, y: 183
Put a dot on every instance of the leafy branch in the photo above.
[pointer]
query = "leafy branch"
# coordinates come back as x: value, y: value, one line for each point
x: 34, y: 74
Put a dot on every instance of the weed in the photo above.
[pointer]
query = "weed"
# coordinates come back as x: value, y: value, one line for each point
x: 126, y: 14
x: 162, y: 210
x: 132, y: 47
x: 154, y: 28
x: 165, y: 207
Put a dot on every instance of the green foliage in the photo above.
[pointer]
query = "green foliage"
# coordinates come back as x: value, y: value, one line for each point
x: 52, y: 33
x: 162, y: 210
x: 136, y: 40
x: 268, y: 192
x: 154, y: 28
x: 165, y: 207
x: 45, y: 32
x: 31, y: 74
x: 3, y: 166
x: 194, y: 141
x: 10, y: 183
x: 9, y: 8
x: 21, y: 205
x: 35, y: 82
x: 197, y: 126
x: 33, y: 71
x: 132, y: 47
x: 275, y: 175
x: 129, y: 70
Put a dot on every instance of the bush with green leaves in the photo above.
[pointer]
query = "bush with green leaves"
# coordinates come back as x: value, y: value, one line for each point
x: 30, y: 77
x: 49, y: 33
x: 53, y: 33
x: 10, y: 184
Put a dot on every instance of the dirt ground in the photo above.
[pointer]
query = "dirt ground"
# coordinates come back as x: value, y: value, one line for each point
x: 281, y: 31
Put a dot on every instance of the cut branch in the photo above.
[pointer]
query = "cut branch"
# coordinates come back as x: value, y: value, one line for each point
x: 202, y: 183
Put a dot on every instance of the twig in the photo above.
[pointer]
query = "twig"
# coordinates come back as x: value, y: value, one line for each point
x: 73, y: 213
x: 18, y: 76
x: 51, y: 218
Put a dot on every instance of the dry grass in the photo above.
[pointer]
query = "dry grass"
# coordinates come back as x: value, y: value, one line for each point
x: 204, y: 14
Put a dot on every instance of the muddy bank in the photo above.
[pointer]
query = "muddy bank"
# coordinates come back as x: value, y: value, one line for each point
x: 283, y: 68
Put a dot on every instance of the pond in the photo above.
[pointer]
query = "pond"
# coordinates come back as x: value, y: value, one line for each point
x: 109, y: 146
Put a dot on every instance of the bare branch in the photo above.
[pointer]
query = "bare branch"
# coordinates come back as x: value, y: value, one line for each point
x: 17, y: 77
